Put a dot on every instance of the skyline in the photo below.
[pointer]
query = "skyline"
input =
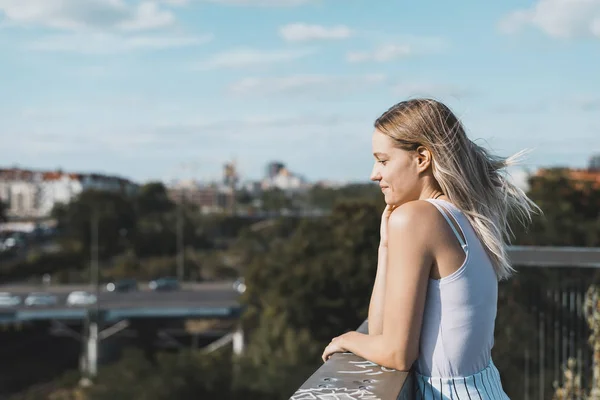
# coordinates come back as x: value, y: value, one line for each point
x: 139, y: 89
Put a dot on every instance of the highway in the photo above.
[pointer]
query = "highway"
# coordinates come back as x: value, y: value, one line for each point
x: 218, y: 294
x: 21, y: 288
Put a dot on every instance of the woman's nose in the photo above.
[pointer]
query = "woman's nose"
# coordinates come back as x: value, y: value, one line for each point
x: 375, y: 175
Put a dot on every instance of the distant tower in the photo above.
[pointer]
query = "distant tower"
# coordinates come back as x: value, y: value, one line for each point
x: 273, y: 169
x: 230, y: 179
x: 595, y: 163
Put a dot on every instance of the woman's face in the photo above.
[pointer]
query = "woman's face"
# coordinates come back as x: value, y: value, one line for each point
x: 395, y: 169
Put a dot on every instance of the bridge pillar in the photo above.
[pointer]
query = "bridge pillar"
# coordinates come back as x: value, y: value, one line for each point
x: 92, y: 350
x: 88, y: 364
x: 238, y: 340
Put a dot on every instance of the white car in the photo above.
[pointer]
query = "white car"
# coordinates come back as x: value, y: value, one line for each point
x: 239, y: 285
x: 40, y: 299
x: 9, y: 300
x: 80, y: 298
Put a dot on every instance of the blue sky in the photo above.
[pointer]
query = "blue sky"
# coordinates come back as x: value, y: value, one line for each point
x: 166, y: 88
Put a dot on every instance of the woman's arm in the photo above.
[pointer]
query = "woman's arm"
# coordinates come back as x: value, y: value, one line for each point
x: 375, y: 318
x: 409, y: 262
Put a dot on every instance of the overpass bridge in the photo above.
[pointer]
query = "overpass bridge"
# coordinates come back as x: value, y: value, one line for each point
x: 115, y: 312
x: 196, y: 300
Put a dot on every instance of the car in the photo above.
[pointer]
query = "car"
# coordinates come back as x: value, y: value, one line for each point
x: 80, y: 298
x: 239, y: 285
x: 40, y: 299
x: 9, y: 300
x: 164, y: 284
x: 123, y: 285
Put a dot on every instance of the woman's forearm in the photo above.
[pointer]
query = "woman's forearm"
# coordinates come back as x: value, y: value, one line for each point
x: 374, y: 348
x: 375, y: 318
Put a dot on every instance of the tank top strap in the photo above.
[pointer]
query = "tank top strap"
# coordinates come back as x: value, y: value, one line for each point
x: 445, y: 211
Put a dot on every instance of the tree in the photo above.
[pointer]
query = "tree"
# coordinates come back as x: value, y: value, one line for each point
x: 152, y: 198
x: 571, y: 212
x: 3, y: 211
x: 115, y: 215
x: 305, y: 284
x: 326, y: 197
x: 275, y: 199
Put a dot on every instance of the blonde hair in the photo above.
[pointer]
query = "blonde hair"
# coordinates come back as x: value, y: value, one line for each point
x: 468, y: 174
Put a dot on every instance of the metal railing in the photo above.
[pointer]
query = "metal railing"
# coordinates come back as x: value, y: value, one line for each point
x: 546, y: 304
x: 541, y: 325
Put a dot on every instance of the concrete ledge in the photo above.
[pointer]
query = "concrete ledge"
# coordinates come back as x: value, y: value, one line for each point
x: 347, y: 376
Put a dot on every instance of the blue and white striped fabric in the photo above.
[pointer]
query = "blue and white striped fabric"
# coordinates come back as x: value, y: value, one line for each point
x: 484, y: 385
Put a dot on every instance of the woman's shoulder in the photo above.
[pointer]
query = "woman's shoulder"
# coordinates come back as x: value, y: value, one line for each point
x: 413, y: 211
x: 417, y: 215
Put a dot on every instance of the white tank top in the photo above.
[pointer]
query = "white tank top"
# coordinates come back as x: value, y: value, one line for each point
x: 457, y: 334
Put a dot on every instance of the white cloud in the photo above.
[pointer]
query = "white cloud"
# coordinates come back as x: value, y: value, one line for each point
x: 247, y: 57
x: 381, y: 54
x: 86, y: 14
x: 250, y: 129
x: 435, y: 90
x: 299, y: 32
x: 147, y: 15
x: 585, y: 102
x: 262, y: 3
x: 557, y: 18
x: 305, y: 84
x: 105, y: 43
x: 175, y: 2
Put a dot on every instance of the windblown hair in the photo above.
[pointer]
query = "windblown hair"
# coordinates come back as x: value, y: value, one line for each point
x: 471, y: 177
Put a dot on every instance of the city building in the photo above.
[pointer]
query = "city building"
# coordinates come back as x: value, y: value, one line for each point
x: 578, y: 176
x: 278, y: 176
x: 273, y: 169
x: 33, y: 194
x: 209, y: 198
x: 595, y: 163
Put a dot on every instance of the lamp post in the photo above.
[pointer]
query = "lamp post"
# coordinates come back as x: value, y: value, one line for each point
x: 180, y: 244
x: 94, y: 265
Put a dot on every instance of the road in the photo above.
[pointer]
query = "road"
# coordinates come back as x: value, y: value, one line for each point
x: 21, y: 288
x: 219, y: 294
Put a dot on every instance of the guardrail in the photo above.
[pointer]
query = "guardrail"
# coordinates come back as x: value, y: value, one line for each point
x: 347, y: 376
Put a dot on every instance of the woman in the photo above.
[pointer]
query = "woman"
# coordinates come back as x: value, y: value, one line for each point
x: 441, y: 255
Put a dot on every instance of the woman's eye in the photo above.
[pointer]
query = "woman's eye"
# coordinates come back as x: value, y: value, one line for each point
x: 382, y: 162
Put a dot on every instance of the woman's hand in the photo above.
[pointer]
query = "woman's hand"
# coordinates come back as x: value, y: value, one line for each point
x: 384, y: 225
x: 335, y: 346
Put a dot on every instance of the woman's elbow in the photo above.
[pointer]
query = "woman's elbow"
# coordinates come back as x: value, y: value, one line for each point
x: 400, y: 361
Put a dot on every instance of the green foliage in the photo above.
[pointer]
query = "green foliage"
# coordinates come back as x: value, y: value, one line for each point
x: 34, y: 267
x: 275, y: 199
x: 277, y: 361
x: 115, y: 216
x: 185, y: 375
x: 571, y: 212
x: 152, y: 198
x: 326, y: 198
x: 3, y: 211
x: 305, y: 284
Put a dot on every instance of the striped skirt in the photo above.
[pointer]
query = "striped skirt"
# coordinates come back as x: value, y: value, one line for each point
x: 484, y: 385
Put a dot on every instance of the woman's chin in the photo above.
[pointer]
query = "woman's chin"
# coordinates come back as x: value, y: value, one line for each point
x: 389, y: 201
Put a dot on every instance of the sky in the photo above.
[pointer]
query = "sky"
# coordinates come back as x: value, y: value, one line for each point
x: 169, y: 89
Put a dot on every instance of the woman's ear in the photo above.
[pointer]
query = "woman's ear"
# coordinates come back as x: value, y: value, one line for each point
x: 424, y: 158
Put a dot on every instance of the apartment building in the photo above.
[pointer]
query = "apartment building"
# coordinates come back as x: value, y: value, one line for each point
x: 32, y: 194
